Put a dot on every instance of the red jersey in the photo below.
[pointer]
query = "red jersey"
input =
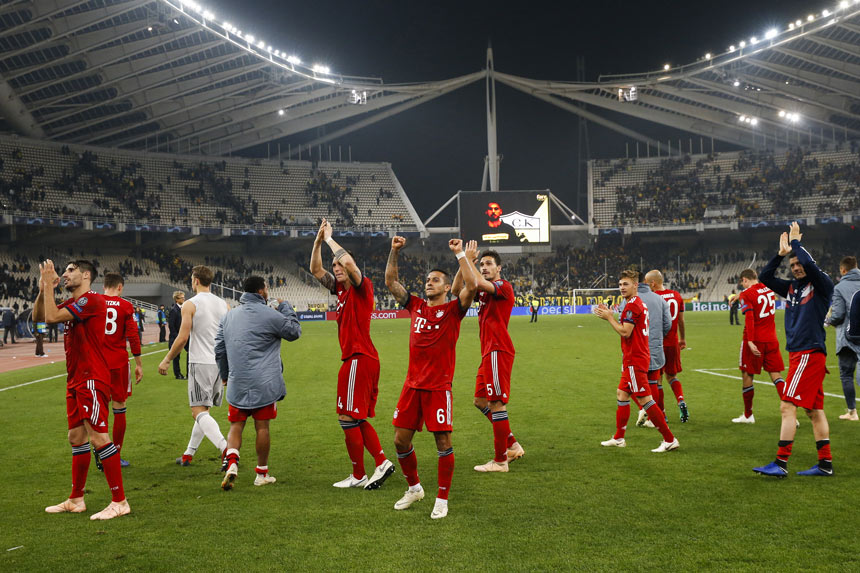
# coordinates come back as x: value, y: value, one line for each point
x: 119, y: 327
x: 494, y: 313
x: 432, y: 343
x: 354, y: 306
x: 635, y: 348
x: 84, y: 340
x: 676, y: 307
x: 759, y: 307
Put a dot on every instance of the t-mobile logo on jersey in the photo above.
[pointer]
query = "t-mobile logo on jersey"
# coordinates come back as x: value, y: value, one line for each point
x: 419, y: 324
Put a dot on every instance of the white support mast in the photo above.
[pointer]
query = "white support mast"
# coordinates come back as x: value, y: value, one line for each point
x: 492, y: 165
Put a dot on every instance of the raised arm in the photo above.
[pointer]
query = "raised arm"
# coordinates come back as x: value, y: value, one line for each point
x: 392, y: 275
x: 767, y: 276
x: 49, y: 278
x: 823, y: 283
x: 288, y: 325
x: 468, y: 272
x: 316, y: 267
x: 341, y: 256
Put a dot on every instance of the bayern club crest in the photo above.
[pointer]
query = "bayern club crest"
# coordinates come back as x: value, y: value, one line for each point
x: 440, y: 313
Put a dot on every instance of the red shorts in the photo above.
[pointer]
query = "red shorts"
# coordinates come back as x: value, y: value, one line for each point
x: 88, y: 403
x: 803, y: 385
x: 654, y: 376
x: 120, y: 384
x: 673, y: 360
x: 430, y: 407
x: 634, y: 382
x: 269, y: 412
x: 358, y: 387
x: 770, y: 359
x: 494, y: 377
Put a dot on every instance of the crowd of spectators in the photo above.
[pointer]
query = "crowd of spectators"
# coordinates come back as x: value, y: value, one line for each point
x: 762, y: 185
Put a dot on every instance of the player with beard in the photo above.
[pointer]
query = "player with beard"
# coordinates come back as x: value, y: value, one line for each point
x: 426, y: 395
x: 88, y: 382
x: 358, y: 379
x: 493, y: 383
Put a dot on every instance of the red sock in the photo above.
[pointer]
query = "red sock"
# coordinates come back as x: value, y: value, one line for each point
x: 779, y: 383
x: 80, y: 465
x: 232, y: 456
x: 622, y: 415
x: 118, y: 427
x: 501, y: 432
x: 355, y: 448
x: 511, y: 440
x: 656, y: 388
x: 783, y: 451
x: 409, y: 465
x: 659, y: 397
x: 262, y: 470
x: 446, y: 472
x: 655, y: 414
x: 371, y: 442
x: 677, y: 389
x: 823, y: 450
x: 748, y: 394
x: 109, y: 456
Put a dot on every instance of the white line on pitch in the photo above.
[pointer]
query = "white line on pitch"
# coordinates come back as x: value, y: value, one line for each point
x: 735, y: 368
x: 61, y: 375
x: 756, y: 381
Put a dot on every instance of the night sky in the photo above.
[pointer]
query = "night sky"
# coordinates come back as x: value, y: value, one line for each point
x: 438, y: 148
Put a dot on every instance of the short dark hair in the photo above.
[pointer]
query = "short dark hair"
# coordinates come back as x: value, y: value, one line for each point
x: 749, y: 274
x: 492, y: 253
x: 203, y: 274
x: 113, y: 280
x: 254, y: 284
x: 848, y: 262
x: 84, y: 266
x: 445, y: 273
x: 792, y: 255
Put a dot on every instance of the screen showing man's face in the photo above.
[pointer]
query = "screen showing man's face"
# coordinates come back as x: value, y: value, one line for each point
x: 494, y: 211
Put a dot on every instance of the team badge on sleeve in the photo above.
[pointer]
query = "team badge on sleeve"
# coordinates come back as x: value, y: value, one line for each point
x: 82, y: 301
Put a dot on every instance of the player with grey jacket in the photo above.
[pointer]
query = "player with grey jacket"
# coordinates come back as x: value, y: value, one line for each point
x: 248, y: 353
x: 848, y: 353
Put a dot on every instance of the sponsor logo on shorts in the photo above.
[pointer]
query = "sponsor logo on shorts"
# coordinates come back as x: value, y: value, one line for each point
x: 396, y: 411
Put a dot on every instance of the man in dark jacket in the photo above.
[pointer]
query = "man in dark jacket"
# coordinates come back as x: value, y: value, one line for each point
x: 807, y: 300
x: 162, y: 323
x: 9, y: 325
x: 248, y: 353
x: 847, y: 352
x: 174, y: 322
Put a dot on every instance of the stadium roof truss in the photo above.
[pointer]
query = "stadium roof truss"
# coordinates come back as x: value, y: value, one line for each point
x: 162, y: 75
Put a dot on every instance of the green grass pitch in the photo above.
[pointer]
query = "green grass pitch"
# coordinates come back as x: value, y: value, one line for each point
x: 568, y: 504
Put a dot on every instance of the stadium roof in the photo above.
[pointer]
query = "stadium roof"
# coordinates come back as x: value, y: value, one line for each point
x: 148, y: 74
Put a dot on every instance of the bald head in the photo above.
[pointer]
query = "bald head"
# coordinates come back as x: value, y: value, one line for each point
x: 654, y: 279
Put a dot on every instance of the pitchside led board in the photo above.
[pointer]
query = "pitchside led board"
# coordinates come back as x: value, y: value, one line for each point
x: 505, y: 218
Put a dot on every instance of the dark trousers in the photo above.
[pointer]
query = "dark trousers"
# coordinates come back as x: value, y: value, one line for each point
x: 733, y: 316
x: 9, y: 330
x: 40, y: 347
x: 162, y: 333
x: 177, y: 371
x: 534, y: 316
x: 53, y: 333
x: 847, y: 371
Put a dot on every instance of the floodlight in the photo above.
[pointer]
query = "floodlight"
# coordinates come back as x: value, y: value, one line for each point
x: 269, y: 49
x: 666, y: 67
x: 843, y: 5
x: 743, y: 44
x: 732, y: 48
x: 708, y: 56
x: 753, y: 40
x: 791, y: 25
x: 825, y: 13
x: 742, y: 118
x: 261, y: 44
x: 149, y: 29
x: 280, y: 112
x: 736, y: 83
x: 207, y: 15
x: 781, y: 113
x: 293, y: 60
x: 810, y: 18
x: 753, y: 121
x: 770, y: 33
x: 798, y: 23
x: 249, y: 38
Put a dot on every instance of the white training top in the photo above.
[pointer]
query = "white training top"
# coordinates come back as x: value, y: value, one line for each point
x: 210, y: 310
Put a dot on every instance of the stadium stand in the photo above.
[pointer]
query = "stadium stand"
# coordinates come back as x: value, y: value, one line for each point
x: 43, y: 178
x: 721, y: 187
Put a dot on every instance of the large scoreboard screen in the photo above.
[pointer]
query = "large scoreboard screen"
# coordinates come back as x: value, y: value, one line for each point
x: 505, y: 217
